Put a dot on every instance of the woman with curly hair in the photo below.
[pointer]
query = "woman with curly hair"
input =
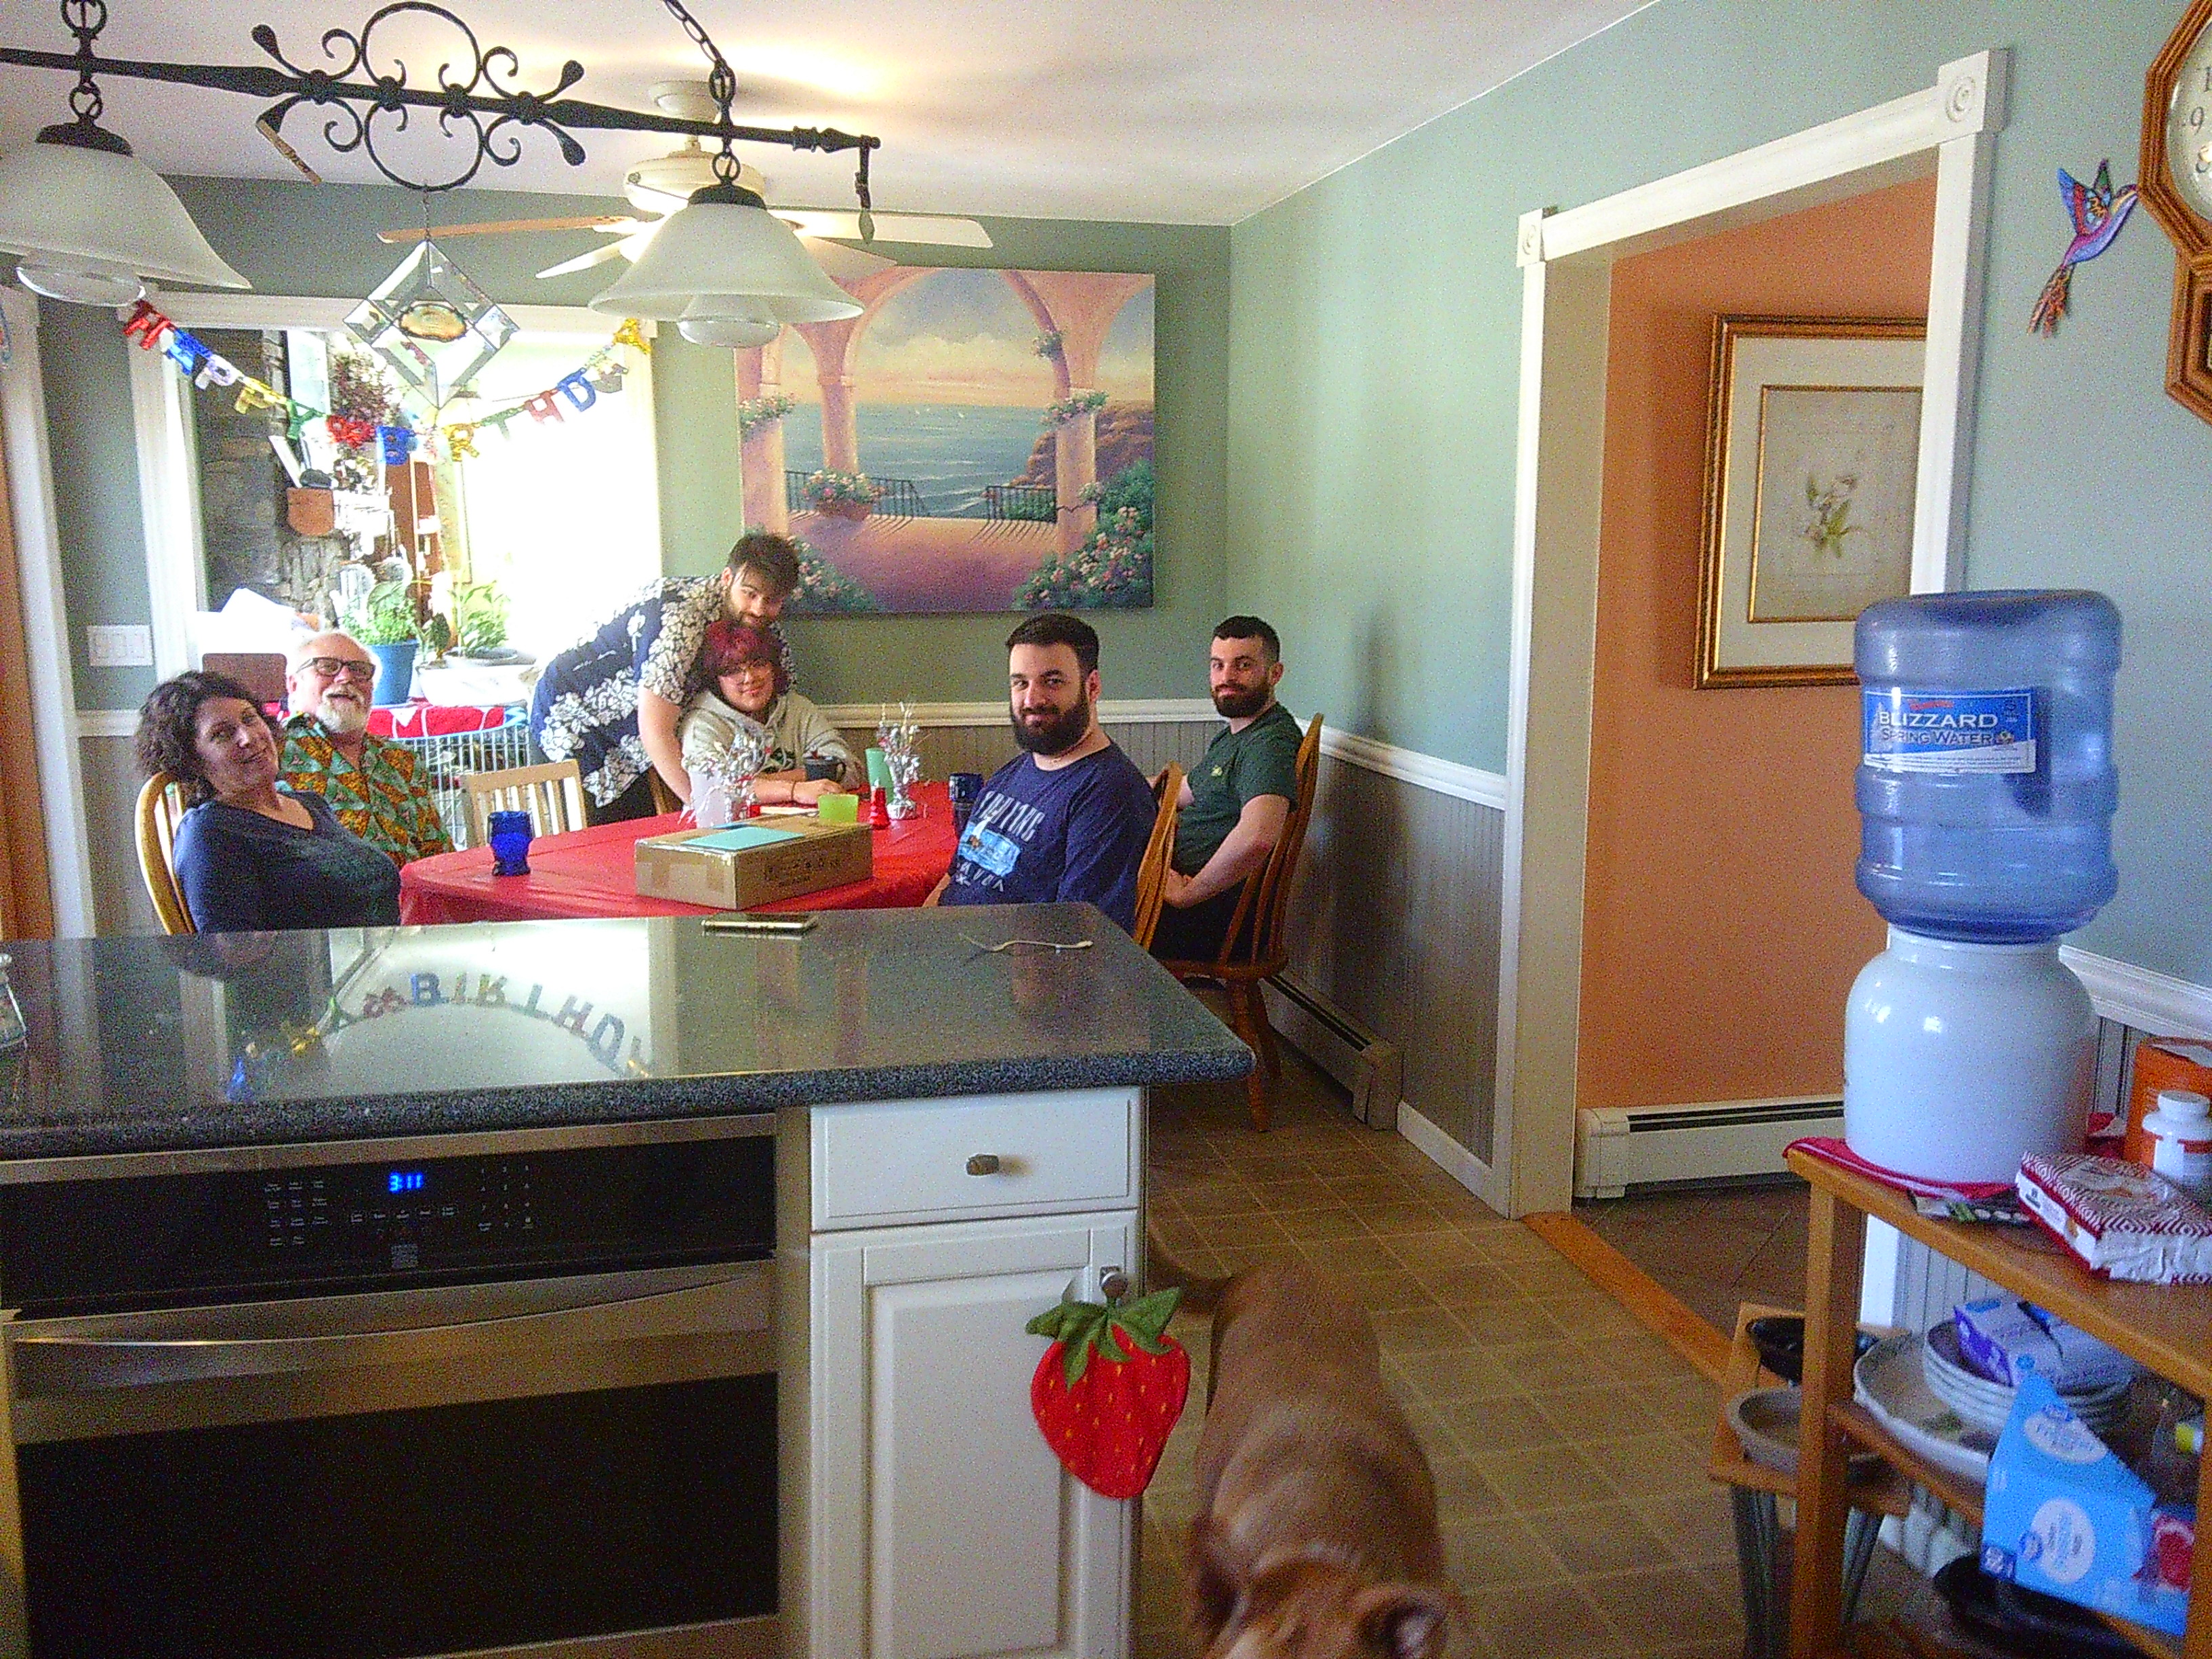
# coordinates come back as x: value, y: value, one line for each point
x: 253, y: 855
x: 749, y: 689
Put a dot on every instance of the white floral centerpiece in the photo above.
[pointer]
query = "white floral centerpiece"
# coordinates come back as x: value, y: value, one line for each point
x: 901, y: 741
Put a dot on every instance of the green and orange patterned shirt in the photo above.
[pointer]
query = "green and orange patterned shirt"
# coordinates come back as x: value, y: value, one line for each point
x: 380, y: 800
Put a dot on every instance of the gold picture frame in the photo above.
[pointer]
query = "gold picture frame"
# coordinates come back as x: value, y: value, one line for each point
x: 1812, y: 459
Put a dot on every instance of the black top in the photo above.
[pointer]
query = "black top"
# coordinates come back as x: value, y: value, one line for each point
x: 249, y: 1039
x: 243, y: 872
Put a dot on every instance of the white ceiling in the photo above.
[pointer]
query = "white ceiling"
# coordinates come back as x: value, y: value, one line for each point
x: 1201, y: 112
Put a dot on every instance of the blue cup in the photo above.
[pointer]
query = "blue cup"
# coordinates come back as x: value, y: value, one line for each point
x: 509, y: 835
x: 963, y: 788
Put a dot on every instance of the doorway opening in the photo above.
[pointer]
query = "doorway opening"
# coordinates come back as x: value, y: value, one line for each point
x: 1569, y: 262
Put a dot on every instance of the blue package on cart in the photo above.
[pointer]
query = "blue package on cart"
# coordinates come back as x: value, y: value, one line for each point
x: 2063, y: 1516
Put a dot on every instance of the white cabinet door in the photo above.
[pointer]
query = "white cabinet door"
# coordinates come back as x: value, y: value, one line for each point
x: 942, y: 1527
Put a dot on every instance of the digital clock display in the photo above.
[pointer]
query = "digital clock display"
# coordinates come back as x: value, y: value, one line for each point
x: 404, y: 1181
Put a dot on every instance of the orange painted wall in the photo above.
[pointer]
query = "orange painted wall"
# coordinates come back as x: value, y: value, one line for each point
x: 1721, y: 928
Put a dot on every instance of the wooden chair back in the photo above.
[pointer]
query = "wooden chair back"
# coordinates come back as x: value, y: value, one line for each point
x: 664, y: 797
x: 553, y: 795
x: 1153, y: 872
x: 161, y: 808
x: 261, y: 672
x: 1256, y: 944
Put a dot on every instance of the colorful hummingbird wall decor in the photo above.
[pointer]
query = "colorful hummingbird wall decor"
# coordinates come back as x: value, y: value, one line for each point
x: 2098, y: 212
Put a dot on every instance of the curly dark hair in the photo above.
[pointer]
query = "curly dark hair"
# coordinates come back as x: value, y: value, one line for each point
x: 169, y: 728
x: 776, y: 558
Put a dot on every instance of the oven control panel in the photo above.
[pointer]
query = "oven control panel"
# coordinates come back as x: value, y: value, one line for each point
x: 403, y: 1207
x: 386, y: 1222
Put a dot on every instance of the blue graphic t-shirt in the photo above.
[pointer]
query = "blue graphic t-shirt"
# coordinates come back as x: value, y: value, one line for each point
x: 1075, y: 833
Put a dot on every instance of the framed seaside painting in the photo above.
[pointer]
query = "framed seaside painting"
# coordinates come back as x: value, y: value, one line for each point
x: 975, y: 439
x: 1812, y: 453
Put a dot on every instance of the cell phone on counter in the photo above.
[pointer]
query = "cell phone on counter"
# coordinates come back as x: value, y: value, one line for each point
x: 787, y: 924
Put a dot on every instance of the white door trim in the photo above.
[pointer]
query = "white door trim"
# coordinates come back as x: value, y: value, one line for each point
x: 45, y: 621
x: 1566, y: 260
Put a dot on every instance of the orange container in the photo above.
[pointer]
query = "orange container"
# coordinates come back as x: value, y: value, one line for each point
x: 2162, y: 1063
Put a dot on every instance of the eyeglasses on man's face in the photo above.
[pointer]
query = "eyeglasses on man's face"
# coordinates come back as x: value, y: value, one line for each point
x: 332, y: 668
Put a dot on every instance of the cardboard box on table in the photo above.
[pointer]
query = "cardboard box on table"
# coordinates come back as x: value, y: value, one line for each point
x: 753, y: 863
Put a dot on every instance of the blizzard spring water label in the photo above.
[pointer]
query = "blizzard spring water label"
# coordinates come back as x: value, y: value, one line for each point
x: 1970, y: 731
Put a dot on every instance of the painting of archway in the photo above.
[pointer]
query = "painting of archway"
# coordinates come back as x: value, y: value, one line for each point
x: 973, y: 441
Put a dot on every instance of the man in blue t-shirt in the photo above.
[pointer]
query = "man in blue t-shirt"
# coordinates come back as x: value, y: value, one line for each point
x: 1068, y: 819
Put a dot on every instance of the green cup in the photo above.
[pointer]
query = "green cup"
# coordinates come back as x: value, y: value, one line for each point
x: 838, y: 809
x: 879, y: 770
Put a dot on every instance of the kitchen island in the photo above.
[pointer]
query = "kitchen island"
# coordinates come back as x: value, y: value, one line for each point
x: 517, y: 1158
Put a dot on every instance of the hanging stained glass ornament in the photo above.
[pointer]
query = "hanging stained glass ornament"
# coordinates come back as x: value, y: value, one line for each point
x: 431, y: 325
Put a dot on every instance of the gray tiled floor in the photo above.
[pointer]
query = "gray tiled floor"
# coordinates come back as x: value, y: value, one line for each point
x: 1569, y: 1444
x: 1712, y: 1247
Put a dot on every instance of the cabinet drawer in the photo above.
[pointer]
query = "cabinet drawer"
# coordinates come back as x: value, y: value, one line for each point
x: 911, y: 1160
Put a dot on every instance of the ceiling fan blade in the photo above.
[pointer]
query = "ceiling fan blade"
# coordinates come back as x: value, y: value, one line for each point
x: 501, y: 226
x: 924, y: 228
x: 598, y: 256
x: 842, y: 264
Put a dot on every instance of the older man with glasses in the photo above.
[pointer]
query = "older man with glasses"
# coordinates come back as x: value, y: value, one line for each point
x: 371, y: 784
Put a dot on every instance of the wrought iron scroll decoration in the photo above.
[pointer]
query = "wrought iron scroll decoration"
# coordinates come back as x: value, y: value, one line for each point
x: 488, y: 92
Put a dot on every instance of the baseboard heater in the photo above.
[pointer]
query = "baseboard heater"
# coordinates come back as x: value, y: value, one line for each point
x: 1617, y: 1148
x: 1370, y: 1067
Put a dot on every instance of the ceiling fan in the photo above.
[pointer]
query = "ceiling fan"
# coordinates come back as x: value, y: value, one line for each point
x: 659, y: 186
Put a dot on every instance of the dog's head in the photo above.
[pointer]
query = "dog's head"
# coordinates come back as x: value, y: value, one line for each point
x: 1306, y: 1608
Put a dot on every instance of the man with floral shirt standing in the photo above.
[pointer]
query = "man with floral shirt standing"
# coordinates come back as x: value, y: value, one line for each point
x: 370, y: 784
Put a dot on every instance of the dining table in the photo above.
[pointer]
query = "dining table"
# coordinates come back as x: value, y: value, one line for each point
x: 592, y: 872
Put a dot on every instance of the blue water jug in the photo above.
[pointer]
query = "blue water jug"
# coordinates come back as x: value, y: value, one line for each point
x: 1985, y: 783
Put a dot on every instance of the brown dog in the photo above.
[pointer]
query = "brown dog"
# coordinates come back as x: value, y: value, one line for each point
x: 1316, y: 1535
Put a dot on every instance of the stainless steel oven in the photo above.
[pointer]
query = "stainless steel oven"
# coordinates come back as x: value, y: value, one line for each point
x: 487, y: 1394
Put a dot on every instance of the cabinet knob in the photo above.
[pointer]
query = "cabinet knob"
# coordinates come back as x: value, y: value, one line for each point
x: 983, y: 1164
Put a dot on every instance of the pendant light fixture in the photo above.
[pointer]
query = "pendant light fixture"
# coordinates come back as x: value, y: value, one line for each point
x: 724, y: 262
x: 90, y: 221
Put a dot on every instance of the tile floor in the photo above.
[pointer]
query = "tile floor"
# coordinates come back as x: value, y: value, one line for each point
x: 1714, y: 1247
x: 1569, y: 1444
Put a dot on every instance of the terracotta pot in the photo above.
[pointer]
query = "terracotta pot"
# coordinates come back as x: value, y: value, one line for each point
x: 853, y: 510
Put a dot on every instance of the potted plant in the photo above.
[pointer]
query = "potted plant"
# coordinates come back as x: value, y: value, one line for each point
x: 841, y: 495
x: 385, y: 624
x: 480, y: 621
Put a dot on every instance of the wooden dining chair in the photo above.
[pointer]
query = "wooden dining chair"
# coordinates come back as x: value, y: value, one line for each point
x: 161, y: 808
x: 664, y: 797
x: 1256, y: 944
x: 1153, y: 872
x: 553, y: 795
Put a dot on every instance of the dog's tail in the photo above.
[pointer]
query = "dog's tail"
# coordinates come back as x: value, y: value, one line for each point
x: 1163, y: 1269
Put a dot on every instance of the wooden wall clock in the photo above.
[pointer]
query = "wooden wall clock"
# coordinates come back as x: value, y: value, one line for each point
x: 2174, y: 179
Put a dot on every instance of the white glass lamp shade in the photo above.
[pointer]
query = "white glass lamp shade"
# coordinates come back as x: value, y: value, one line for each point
x: 723, y: 249
x: 725, y: 319
x: 90, y: 224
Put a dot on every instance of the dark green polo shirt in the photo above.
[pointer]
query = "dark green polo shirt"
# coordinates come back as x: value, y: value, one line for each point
x: 1261, y: 759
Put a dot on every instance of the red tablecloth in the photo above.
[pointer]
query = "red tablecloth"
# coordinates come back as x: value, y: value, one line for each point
x: 590, y: 872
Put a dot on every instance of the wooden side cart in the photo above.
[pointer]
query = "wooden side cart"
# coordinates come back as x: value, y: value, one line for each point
x: 2166, y: 1328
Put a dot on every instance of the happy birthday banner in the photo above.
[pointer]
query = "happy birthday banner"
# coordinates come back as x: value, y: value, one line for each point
x: 601, y: 375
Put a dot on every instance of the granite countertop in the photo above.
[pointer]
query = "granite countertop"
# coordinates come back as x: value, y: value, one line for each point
x: 172, y: 1044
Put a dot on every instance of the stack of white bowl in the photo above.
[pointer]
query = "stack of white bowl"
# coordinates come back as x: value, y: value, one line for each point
x: 1987, y: 1405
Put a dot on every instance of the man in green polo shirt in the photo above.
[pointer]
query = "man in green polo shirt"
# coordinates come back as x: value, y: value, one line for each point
x: 1236, y: 800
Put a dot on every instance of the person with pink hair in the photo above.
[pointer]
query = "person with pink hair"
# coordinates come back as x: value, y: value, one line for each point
x: 748, y: 689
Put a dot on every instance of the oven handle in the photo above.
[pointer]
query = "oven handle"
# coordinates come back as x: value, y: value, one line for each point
x: 740, y: 1302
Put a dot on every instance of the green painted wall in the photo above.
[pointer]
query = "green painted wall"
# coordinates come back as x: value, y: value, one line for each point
x: 319, y: 240
x: 1374, y: 362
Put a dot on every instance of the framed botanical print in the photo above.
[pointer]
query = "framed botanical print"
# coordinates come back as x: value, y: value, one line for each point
x: 1812, y: 453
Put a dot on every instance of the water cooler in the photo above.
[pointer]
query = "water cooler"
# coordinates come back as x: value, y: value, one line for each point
x: 1985, y: 792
